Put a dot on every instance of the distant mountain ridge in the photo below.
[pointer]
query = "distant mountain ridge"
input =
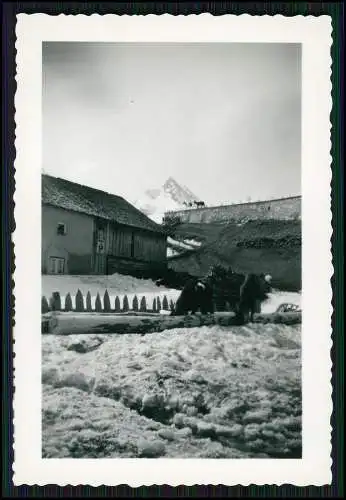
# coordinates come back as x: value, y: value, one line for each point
x: 171, y: 196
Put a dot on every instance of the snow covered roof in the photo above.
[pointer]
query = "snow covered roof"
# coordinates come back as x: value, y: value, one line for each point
x: 78, y: 198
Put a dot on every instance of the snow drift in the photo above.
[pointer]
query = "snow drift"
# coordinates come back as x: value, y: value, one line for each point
x: 202, y: 392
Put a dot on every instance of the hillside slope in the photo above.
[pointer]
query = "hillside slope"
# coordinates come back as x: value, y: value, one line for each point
x: 258, y: 246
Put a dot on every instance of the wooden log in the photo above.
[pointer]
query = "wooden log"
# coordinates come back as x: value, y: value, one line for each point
x: 87, y: 323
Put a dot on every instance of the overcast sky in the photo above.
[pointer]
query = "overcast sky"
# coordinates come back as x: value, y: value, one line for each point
x: 223, y: 119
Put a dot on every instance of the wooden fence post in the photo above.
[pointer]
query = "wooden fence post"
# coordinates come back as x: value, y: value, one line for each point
x: 55, y: 302
x: 68, y: 302
x: 98, y: 305
x: 126, y: 306
x: 106, y: 302
x: 79, y: 301
x: 165, y: 303
x: 44, y: 305
x: 135, y: 303
x: 143, y: 306
x: 117, y: 307
x: 88, y: 302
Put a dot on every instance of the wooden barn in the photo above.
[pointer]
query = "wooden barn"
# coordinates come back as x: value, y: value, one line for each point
x: 88, y: 231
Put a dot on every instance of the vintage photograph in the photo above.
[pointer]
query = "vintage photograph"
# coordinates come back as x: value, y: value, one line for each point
x: 171, y: 250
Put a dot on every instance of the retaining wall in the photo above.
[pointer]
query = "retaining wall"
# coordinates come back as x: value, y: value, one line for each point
x: 281, y: 209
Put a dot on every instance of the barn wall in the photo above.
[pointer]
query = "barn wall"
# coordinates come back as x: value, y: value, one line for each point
x: 135, y: 244
x: 120, y: 241
x: 149, y: 247
x: 130, y: 266
x: 133, y: 248
x: 75, y: 246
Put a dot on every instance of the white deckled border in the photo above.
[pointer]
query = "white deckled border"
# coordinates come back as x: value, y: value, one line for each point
x: 314, y: 33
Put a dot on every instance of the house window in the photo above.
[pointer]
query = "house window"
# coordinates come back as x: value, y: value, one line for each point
x: 56, y: 265
x: 61, y: 229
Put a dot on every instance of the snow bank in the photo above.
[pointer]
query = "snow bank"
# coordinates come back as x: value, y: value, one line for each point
x: 115, y: 283
x: 194, y: 243
x: 171, y: 252
x: 175, y: 247
x: 185, y: 244
x: 199, y: 392
x: 278, y: 297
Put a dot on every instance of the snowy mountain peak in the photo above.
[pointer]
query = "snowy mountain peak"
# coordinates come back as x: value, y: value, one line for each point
x: 178, y: 192
x: 171, y: 196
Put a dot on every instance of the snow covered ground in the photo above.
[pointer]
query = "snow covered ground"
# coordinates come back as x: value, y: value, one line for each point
x: 193, y: 243
x: 278, y: 297
x: 185, y: 244
x: 175, y: 247
x: 171, y: 252
x: 120, y: 285
x: 209, y: 392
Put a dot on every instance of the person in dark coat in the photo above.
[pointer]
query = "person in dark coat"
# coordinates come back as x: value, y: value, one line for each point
x: 253, y: 291
x: 196, y: 295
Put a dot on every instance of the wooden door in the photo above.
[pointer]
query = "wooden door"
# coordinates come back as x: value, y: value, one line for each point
x: 100, y: 236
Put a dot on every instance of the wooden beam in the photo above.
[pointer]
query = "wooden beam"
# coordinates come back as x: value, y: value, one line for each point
x: 71, y: 323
